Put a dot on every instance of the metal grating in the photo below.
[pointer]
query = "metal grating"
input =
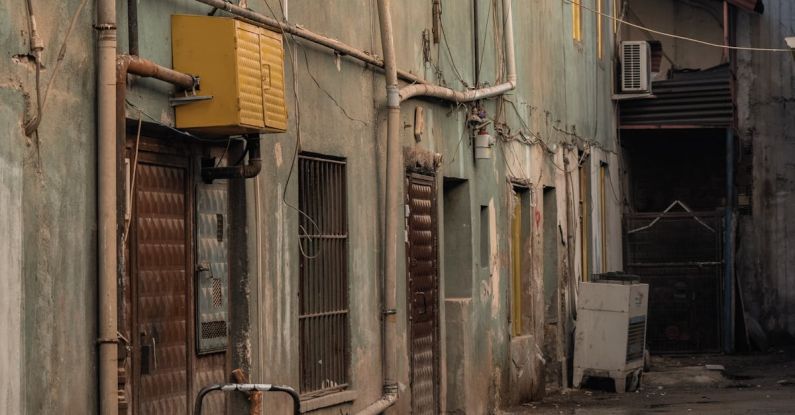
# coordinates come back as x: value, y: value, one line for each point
x: 681, y: 260
x: 636, y: 338
x: 212, y: 276
x: 323, y: 285
x: 423, y: 293
x: 631, y: 67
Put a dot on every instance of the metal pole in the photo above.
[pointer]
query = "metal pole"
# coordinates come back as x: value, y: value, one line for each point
x: 728, y: 248
x: 107, y: 226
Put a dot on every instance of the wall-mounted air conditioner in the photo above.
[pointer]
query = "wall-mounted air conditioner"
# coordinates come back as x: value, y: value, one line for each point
x: 635, y: 67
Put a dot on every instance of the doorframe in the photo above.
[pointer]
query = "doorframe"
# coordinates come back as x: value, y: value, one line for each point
x: 430, y: 178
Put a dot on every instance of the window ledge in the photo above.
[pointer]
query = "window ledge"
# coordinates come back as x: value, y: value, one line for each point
x: 325, y: 401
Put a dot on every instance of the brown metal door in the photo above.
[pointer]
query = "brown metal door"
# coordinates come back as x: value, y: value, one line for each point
x: 423, y: 292
x: 161, y: 287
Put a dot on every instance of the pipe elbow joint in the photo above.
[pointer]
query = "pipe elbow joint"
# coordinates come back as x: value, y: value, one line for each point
x: 245, y: 171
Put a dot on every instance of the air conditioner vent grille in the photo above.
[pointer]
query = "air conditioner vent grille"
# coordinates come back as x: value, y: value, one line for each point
x: 636, y: 338
x: 635, y: 69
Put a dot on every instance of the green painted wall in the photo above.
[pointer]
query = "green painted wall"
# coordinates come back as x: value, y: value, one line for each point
x: 47, y: 218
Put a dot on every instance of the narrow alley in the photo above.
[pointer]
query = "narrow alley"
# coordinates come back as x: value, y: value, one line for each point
x: 339, y: 207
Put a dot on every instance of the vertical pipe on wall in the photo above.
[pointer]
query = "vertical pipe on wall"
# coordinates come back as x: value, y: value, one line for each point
x: 107, y: 226
x: 728, y: 248
x: 725, y: 30
x: 132, y: 27
x: 476, y: 29
x: 393, y: 207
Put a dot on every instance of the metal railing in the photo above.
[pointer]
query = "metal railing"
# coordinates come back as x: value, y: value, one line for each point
x: 247, y: 387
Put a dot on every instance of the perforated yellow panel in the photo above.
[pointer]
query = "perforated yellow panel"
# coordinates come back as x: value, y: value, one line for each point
x: 240, y: 65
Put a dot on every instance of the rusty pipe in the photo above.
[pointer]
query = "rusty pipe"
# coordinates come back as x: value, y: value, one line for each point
x: 333, y: 44
x: 244, y: 171
x: 143, y: 67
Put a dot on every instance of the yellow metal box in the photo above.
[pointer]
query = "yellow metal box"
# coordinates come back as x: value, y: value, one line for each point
x: 240, y: 65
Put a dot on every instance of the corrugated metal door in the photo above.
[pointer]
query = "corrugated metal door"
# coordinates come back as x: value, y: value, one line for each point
x: 423, y: 292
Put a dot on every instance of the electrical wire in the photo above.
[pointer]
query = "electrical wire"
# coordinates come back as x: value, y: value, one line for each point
x: 450, y: 55
x: 334, y: 100
x: 485, y: 35
x: 131, y: 193
x: 32, y: 125
x: 685, y: 38
x: 287, y: 41
x: 62, y: 52
x: 177, y: 131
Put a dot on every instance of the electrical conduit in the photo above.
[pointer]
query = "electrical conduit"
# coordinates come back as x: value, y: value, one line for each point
x: 394, y: 177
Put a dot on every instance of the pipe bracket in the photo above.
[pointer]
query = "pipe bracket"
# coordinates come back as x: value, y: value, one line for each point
x: 392, y: 96
x: 103, y: 340
x: 105, y: 26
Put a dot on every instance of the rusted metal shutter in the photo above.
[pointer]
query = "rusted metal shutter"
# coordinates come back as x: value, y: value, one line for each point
x: 423, y: 292
x: 323, y: 275
x: 693, y: 98
x: 162, y: 290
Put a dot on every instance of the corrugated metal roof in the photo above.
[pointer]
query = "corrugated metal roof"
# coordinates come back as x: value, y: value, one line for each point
x: 691, y: 98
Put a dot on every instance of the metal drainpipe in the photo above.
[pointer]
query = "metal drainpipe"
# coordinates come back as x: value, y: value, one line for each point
x: 394, y: 177
x: 393, y: 213
x: 107, y: 249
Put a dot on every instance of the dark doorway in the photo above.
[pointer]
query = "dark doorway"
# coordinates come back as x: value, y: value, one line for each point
x: 551, y: 239
x: 423, y: 292
x: 673, y: 233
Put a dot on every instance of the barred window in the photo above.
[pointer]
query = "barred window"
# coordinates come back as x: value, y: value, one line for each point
x: 323, y: 289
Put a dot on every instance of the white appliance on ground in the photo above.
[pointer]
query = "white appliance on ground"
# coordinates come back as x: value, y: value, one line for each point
x: 610, y: 336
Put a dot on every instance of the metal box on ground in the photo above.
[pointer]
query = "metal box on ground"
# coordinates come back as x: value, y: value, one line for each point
x: 611, y: 331
x: 241, y: 66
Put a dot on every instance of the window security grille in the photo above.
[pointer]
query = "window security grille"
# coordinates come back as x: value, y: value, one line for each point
x: 323, y: 289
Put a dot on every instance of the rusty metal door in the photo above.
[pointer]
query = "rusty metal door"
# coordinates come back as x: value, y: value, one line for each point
x: 161, y: 303
x: 159, y: 311
x: 423, y: 292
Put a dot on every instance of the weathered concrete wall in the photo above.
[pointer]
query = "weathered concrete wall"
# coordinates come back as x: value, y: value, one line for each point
x: 573, y: 108
x: 701, y: 20
x: 562, y: 99
x: 765, y: 97
x: 47, y: 219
